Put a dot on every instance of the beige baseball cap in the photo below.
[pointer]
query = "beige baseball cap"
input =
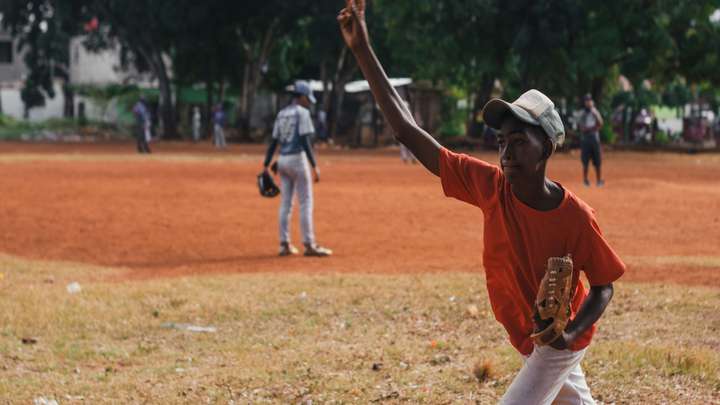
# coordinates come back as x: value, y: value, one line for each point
x: 532, y: 107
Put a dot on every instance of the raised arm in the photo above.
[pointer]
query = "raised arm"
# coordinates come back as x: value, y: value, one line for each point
x: 590, y: 311
x: 354, y: 31
x: 598, y: 117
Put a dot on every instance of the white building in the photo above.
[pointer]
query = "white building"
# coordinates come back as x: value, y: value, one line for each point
x: 12, y: 75
x: 12, y: 67
x: 95, y: 69
x: 86, y: 68
x: 100, y: 69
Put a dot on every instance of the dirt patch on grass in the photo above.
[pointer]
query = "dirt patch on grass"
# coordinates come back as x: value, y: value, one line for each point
x: 188, y: 209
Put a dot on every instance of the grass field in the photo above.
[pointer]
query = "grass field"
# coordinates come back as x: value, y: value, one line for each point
x: 292, y: 338
x: 386, y: 320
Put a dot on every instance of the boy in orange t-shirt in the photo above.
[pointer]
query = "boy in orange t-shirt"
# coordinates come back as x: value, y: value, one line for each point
x: 528, y: 218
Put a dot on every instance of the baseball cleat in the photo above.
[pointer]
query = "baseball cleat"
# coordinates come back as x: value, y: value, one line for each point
x: 317, y: 251
x: 287, y: 249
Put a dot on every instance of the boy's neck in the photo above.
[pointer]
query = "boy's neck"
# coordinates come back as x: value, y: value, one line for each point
x: 539, y: 193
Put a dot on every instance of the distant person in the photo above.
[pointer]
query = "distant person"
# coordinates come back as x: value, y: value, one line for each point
x: 618, y: 121
x: 148, y: 127
x: 196, y: 124
x: 293, y: 131
x: 590, y: 123
x: 142, y: 125
x: 642, y: 128
x: 219, y: 124
x: 323, y: 132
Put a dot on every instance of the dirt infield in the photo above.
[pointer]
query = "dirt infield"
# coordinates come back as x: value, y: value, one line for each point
x: 188, y: 209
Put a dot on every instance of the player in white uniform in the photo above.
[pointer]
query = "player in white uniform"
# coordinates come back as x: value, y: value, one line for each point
x: 293, y: 132
x: 590, y: 148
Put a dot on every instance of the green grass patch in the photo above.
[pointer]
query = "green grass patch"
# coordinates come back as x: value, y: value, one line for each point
x: 12, y: 129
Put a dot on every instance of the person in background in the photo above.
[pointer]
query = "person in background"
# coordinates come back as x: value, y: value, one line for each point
x: 293, y: 132
x: 219, y: 123
x: 323, y: 132
x: 590, y: 123
x: 196, y: 124
x: 142, y: 125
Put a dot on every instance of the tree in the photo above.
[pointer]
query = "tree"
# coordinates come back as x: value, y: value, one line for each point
x: 205, y: 50
x: 45, y: 27
x: 325, y: 56
x: 565, y: 47
x: 146, y: 31
x: 695, y: 31
x: 465, y: 43
x: 43, y: 30
x: 264, y: 25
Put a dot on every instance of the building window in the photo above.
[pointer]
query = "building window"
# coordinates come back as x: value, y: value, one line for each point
x: 6, y: 52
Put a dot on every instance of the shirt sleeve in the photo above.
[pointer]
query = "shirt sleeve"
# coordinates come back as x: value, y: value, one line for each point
x: 595, y: 256
x: 469, y: 179
x: 270, y: 152
x: 307, y: 147
x: 305, y: 123
x: 276, y: 128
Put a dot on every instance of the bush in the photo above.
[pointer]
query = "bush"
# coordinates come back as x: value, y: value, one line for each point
x: 55, y: 124
x: 6, y: 120
x: 10, y: 128
x: 607, y: 135
x: 453, y: 118
x: 451, y: 128
x: 662, y: 138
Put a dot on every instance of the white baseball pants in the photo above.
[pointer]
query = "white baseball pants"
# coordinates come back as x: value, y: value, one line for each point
x: 550, y: 376
x: 294, y: 171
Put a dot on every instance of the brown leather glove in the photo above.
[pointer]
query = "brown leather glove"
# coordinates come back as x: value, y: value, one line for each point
x: 552, y: 305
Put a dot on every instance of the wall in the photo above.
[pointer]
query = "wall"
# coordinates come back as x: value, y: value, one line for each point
x: 11, y: 73
x: 93, y: 68
x: 13, y: 106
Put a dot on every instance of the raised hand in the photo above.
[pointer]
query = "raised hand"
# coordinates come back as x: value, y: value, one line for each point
x: 355, y: 34
x: 316, y: 174
x: 352, y: 24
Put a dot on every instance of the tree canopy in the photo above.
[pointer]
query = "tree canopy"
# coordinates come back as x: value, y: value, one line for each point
x: 564, y: 47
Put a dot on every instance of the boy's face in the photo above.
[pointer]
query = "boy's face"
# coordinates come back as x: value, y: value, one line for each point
x: 522, y: 149
x: 304, y: 101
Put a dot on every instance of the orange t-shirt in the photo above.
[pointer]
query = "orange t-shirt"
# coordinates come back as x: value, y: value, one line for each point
x: 518, y: 240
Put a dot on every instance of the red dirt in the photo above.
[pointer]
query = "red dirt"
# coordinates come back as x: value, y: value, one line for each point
x: 190, y: 210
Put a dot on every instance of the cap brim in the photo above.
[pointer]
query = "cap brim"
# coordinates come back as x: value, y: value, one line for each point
x: 495, y: 110
x: 312, y: 99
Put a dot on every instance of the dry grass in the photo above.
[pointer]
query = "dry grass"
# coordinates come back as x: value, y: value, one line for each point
x: 326, y: 338
x: 709, y: 262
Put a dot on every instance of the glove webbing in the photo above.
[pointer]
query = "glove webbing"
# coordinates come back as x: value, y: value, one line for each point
x: 553, y: 300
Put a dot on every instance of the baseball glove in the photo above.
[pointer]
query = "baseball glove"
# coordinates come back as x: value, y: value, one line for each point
x: 552, y: 305
x: 267, y: 185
